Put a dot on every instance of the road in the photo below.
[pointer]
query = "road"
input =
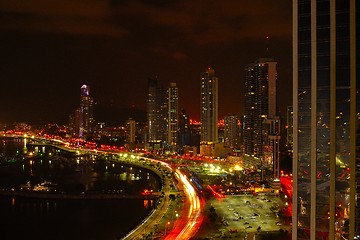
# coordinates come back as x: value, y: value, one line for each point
x: 153, y: 219
x: 188, y: 224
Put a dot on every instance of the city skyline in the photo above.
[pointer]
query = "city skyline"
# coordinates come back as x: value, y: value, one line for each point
x: 50, y: 50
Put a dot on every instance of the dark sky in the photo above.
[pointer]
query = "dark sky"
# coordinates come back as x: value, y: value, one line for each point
x: 48, y: 49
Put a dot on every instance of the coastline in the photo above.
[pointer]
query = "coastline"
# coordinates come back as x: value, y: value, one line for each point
x: 64, y: 196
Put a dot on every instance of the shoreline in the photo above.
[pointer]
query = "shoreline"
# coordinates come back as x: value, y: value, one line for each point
x: 66, y: 196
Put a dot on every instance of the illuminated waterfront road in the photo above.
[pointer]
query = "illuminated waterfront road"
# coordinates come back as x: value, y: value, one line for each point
x: 188, y: 224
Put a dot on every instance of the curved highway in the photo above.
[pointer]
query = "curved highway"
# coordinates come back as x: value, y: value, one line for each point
x: 187, y: 225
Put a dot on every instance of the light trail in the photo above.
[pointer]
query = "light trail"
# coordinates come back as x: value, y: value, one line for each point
x: 192, y: 223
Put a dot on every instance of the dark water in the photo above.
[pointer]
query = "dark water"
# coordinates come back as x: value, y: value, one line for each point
x: 24, y: 218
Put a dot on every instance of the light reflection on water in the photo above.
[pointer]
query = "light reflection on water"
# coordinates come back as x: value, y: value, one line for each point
x: 70, y: 219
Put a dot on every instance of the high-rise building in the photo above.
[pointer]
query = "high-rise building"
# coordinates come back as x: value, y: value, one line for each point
x: 173, y: 116
x: 209, y: 106
x: 231, y: 131
x: 130, y: 134
x: 162, y: 112
x: 86, y: 113
x: 184, y: 129
x: 156, y: 112
x: 74, y: 123
x: 271, y: 145
x: 326, y: 156
x: 189, y: 135
x: 289, y: 128
x: 130, y: 130
x: 260, y: 103
x: 184, y: 122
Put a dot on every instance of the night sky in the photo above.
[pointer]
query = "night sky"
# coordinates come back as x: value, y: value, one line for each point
x: 48, y: 49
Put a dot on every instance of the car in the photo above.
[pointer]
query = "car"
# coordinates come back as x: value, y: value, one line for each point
x: 249, y: 226
x: 235, y: 219
x: 246, y: 223
x: 278, y: 224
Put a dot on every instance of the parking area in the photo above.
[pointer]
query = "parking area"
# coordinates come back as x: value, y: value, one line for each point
x: 250, y: 213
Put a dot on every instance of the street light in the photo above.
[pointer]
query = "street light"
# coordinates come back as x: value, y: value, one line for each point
x: 167, y: 224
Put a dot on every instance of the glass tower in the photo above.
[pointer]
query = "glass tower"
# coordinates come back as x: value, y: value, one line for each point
x: 173, y: 115
x: 231, y: 131
x: 156, y: 112
x: 209, y: 106
x: 260, y: 102
x: 86, y: 113
x: 326, y: 119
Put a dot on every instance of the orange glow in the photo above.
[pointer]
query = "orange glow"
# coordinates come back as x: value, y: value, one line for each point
x: 194, y: 122
x: 221, y: 122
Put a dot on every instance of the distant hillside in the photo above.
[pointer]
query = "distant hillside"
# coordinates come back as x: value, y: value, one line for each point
x: 116, y: 116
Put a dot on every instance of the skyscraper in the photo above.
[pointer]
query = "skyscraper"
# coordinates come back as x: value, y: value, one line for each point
x: 86, y: 113
x: 231, y: 131
x: 289, y: 128
x: 209, y: 106
x: 326, y: 147
x: 156, y: 112
x: 130, y: 130
x: 260, y: 103
x: 184, y: 129
x: 173, y: 115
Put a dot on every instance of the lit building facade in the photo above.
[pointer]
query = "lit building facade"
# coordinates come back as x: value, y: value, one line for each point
x: 156, y: 112
x: 209, y: 106
x: 289, y: 128
x: 74, y: 123
x: 184, y: 129
x: 131, y: 130
x: 326, y: 132
x: 173, y: 116
x: 260, y: 103
x: 231, y: 131
x: 86, y: 125
x: 271, y: 145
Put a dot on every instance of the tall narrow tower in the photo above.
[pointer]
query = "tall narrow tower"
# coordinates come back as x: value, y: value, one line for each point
x: 326, y: 108
x: 231, y: 131
x: 173, y: 115
x: 260, y: 103
x: 156, y: 112
x: 209, y: 106
x: 86, y: 120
